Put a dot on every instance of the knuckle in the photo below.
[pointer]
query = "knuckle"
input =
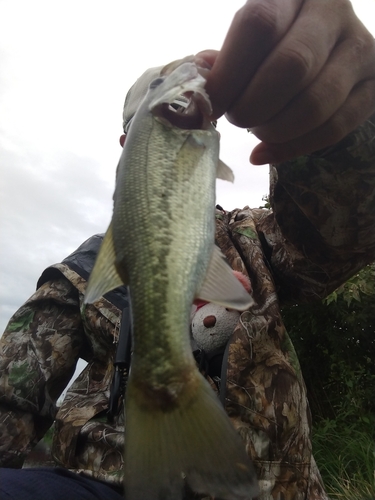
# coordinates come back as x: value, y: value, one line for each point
x: 315, y: 104
x: 361, y: 41
x: 319, y: 99
x: 261, y: 16
x: 362, y: 45
x: 298, y: 59
x: 345, y: 8
x: 356, y: 110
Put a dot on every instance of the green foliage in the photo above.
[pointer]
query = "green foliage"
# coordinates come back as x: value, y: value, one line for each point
x: 266, y: 200
x: 346, y: 460
x: 361, y: 284
x: 335, y: 343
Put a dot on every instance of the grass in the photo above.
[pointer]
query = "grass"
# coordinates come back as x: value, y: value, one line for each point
x: 345, y: 457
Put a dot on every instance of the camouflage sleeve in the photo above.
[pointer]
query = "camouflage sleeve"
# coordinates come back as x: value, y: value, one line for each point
x: 321, y: 231
x: 38, y: 355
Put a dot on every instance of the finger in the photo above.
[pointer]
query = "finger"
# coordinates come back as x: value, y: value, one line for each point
x: 351, y: 62
x: 292, y: 66
x: 255, y: 30
x: 359, y: 106
x: 206, y: 58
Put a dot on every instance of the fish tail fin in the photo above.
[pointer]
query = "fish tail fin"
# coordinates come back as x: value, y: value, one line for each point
x: 195, y: 443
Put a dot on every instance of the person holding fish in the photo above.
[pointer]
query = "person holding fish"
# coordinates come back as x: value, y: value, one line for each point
x: 300, y: 74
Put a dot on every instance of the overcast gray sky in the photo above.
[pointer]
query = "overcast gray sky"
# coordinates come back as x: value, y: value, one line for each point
x: 65, y: 69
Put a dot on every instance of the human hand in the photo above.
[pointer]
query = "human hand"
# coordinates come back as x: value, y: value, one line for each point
x: 299, y: 73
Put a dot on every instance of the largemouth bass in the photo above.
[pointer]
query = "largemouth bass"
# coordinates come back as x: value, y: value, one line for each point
x: 161, y: 244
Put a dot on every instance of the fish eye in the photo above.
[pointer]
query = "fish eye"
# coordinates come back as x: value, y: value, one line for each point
x: 156, y: 82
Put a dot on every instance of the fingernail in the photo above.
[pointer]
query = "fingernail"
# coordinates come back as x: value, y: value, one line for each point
x: 202, y: 63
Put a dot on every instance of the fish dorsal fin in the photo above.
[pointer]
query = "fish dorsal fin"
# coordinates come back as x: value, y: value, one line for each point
x: 224, y: 172
x: 104, y: 276
x: 222, y: 287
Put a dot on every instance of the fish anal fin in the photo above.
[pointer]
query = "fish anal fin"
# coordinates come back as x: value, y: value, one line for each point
x: 195, y: 442
x: 224, y: 172
x: 104, y: 276
x: 222, y: 287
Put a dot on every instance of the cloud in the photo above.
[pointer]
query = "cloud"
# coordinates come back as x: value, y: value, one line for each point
x: 52, y: 203
x: 65, y: 68
x: 53, y: 200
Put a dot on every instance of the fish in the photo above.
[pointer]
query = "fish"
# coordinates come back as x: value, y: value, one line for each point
x: 161, y: 244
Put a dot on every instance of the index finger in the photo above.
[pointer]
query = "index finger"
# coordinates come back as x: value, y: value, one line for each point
x: 255, y: 30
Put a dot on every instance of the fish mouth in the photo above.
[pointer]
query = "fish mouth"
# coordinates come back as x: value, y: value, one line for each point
x: 184, y: 112
x: 180, y: 100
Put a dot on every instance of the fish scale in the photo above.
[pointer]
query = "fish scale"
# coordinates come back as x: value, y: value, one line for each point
x: 172, y: 232
x: 161, y: 244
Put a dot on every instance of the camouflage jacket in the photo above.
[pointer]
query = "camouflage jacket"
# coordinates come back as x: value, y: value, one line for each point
x: 319, y: 233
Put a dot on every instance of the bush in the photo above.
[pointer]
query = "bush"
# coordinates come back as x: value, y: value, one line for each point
x: 335, y: 343
x: 345, y: 456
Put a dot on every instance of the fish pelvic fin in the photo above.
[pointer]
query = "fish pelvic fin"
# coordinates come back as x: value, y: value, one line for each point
x: 224, y: 172
x: 104, y: 276
x: 222, y: 287
x: 194, y: 444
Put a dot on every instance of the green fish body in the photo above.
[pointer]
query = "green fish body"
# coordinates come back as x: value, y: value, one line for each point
x: 161, y: 244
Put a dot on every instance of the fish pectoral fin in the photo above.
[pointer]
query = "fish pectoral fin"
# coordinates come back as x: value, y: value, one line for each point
x: 224, y: 172
x: 104, y: 276
x: 222, y: 287
x: 193, y: 442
